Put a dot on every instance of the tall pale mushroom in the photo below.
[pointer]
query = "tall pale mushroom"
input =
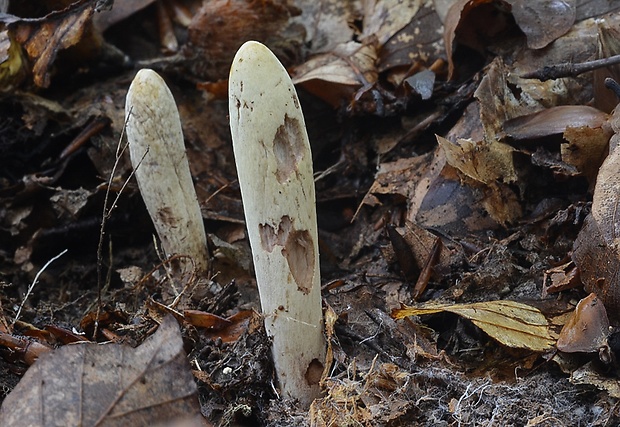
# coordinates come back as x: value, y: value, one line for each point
x: 274, y: 165
x: 158, y: 156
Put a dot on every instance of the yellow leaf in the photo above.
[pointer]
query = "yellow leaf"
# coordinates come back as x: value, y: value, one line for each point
x: 511, y: 323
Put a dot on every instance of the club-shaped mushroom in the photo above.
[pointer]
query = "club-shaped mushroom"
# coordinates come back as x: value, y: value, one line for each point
x: 158, y: 156
x: 274, y: 166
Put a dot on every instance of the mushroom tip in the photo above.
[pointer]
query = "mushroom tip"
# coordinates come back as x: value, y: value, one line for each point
x: 252, y: 46
x: 146, y: 86
x: 252, y: 57
x: 145, y: 78
x: 146, y: 73
x: 253, y: 51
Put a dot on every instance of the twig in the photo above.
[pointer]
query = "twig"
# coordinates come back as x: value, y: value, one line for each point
x: 427, y: 271
x: 613, y: 85
x: 34, y: 282
x: 107, y: 213
x: 569, y: 69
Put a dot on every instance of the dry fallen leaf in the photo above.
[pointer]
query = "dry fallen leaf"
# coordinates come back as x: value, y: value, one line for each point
x: 597, y: 249
x: 398, y: 178
x: 384, y: 18
x: 43, y: 38
x: 608, y: 45
x: 419, y: 41
x: 239, y: 323
x: 586, y: 131
x: 420, y: 242
x: 556, y: 120
x: 587, y: 329
x: 543, y: 21
x: 477, y: 23
x: 511, y: 323
x: 327, y: 22
x: 472, y: 24
x: 487, y: 165
x: 122, y: 9
x: 336, y: 76
x: 590, y: 375
x: 480, y: 161
x: 392, y: 34
x: 560, y: 278
x: 108, y: 385
x: 442, y: 201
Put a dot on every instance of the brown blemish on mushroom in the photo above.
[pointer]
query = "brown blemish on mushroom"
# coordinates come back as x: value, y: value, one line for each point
x: 167, y: 216
x: 299, y: 254
x: 297, y: 248
x: 314, y: 372
x: 270, y: 236
x: 288, y: 147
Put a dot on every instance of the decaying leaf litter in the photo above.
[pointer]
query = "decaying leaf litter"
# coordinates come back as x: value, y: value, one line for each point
x: 464, y: 210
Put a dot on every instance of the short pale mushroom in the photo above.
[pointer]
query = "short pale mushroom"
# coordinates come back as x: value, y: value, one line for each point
x: 158, y: 157
x: 274, y: 166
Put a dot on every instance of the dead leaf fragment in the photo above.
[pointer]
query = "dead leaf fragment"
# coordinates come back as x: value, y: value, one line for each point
x: 587, y: 329
x: 585, y: 129
x: 560, y: 278
x: 418, y: 42
x: 122, y: 9
x: 608, y: 45
x: 487, y: 164
x: 543, y: 21
x: 555, y: 120
x: 511, y: 323
x: 12, y: 67
x: 201, y: 319
x: 393, y: 34
x: 237, y: 325
x: 43, y: 38
x: 478, y: 23
x: 588, y: 374
x: 448, y: 205
x: 596, y: 250
x: 478, y: 160
x: 327, y: 22
x: 108, y: 385
x: 336, y: 76
x: 384, y: 18
x: 473, y: 23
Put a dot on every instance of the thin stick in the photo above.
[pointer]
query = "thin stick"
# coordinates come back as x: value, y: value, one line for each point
x: 427, y: 271
x: 569, y: 69
x: 107, y: 213
x: 34, y: 282
x: 613, y: 85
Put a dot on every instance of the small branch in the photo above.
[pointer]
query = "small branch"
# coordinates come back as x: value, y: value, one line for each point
x: 568, y: 69
x: 613, y: 85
